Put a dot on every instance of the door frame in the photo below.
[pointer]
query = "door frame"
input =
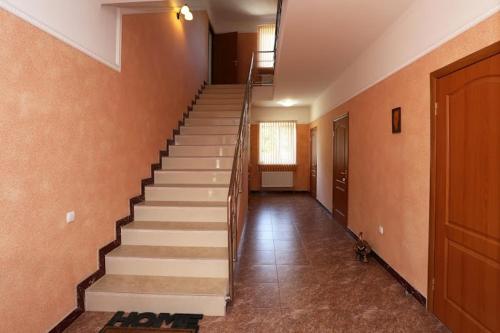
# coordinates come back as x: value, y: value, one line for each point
x: 345, y: 115
x: 471, y: 59
x: 311, y: 130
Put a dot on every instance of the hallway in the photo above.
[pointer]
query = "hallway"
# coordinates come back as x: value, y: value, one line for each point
x: 297, y: 273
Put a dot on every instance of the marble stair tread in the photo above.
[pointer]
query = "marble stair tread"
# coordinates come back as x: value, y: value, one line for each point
x: 190, y: 185
x: 185, y: 226
x: 169, y: 252
x: 182, y: 203
x: 159, y: 285
x: 213, y: 169
x: 209, y: 146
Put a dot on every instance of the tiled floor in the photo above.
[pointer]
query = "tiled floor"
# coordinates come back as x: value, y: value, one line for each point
x: 297, y: 273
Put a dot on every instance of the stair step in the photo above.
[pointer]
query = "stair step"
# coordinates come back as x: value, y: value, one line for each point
x: 204, y: 234
x: 215, y: 114
x: 220, y: 101
x: 197, y: 130
x: 192, y: 177
x: 181, y: 211
x: 158, y: 294
x: 226, y: 107
x: 168, y: 261
x: 212, y: 122
x: 162, y: 192
x: 204, y: 139
x: 196, y: 163
x: 202, y: 151
x: 208, y: 95
x: 226, y: 86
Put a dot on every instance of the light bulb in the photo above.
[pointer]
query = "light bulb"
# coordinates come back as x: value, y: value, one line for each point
x: 188, y: 16
x: 184, y: 10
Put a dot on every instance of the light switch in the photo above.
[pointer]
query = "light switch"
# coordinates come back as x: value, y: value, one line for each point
x: 380, y: 229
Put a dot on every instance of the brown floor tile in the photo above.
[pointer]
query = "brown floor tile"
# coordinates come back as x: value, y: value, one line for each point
x: 249, y: 257
x: 90, y: 322
x: 288, y: 245
x: 291, y: 257
x: 256, y: 274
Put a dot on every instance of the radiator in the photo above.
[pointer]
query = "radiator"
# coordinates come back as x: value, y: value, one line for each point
x: 277, y: 179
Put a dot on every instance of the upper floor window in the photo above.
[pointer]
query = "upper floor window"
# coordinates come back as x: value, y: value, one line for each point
x: 265, y: 40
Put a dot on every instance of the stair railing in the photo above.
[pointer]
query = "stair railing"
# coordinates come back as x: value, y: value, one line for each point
x: 236, y: 185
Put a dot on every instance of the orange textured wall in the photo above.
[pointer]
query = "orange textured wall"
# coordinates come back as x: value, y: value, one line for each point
x: 247, y: 44
x: 77, y: 135
x: 301, y: 175
x: 389, y: 173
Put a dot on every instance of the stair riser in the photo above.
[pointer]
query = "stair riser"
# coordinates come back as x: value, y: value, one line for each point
x: 192, y: 177
x: 185, y: 194
x: 220, y: 101
x: 205, y: 96
x: 208, y: 140
x: 180, y: 214
x: 208, y: 108
x: 210, y: 268
x: 200, y: 130
x: 193, y: 163
x: 214, y: 114
x: 226, y: 86
x: 213, y: 122
x: 112, y: 302
x: 224, y: 91
x: 191, y: 238
x: 201, y: 151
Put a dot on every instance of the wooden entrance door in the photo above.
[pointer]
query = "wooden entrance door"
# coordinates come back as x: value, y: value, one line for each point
x: 314, y: 162
x: 466, y: 295
x: 340, y: 168
x: 225, y: 58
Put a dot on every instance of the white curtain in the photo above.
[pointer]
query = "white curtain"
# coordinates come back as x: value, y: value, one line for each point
x: 277, y: 143
x: 266, y: 34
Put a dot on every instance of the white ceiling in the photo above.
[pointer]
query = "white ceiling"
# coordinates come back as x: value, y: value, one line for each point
x: 319, y: 39
x: 225, y: 15
x: 240, y: 15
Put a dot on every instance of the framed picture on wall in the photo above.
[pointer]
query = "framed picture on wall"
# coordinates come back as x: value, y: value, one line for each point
x: 396, y: 120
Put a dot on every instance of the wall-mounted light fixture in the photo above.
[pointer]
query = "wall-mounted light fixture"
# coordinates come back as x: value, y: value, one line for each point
x: 188, y: 16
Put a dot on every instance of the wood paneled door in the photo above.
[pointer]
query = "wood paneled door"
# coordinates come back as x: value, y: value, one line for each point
x: 314, y: 162
x: 340, y: 168
x: 225, y: 58
x: 465, y: 284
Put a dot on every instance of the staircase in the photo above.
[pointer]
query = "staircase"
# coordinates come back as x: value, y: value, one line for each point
x: 174, y: 255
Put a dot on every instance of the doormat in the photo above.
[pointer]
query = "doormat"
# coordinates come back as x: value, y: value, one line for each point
x: 136, y: 322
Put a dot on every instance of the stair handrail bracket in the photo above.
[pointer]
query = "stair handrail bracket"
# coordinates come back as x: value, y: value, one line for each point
x: 236, y: 183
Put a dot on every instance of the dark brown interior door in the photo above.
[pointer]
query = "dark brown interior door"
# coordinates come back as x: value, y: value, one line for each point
x: 467, y: 211
x: 314, y: 163
x: 340, y: 168
x: 225, y: 58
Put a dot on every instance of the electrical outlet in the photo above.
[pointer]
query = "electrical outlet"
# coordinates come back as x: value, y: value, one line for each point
x: 70, y: 217
x: 380, y: 229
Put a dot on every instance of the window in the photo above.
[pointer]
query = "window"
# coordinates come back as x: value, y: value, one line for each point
x: 277, y: 143
x: 266, y: 37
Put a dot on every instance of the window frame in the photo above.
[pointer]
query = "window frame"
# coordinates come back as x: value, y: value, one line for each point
x: 260, y: 162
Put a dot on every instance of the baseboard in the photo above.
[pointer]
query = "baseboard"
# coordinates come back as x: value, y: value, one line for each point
x: 406, y: 285
x: 90, y: 280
